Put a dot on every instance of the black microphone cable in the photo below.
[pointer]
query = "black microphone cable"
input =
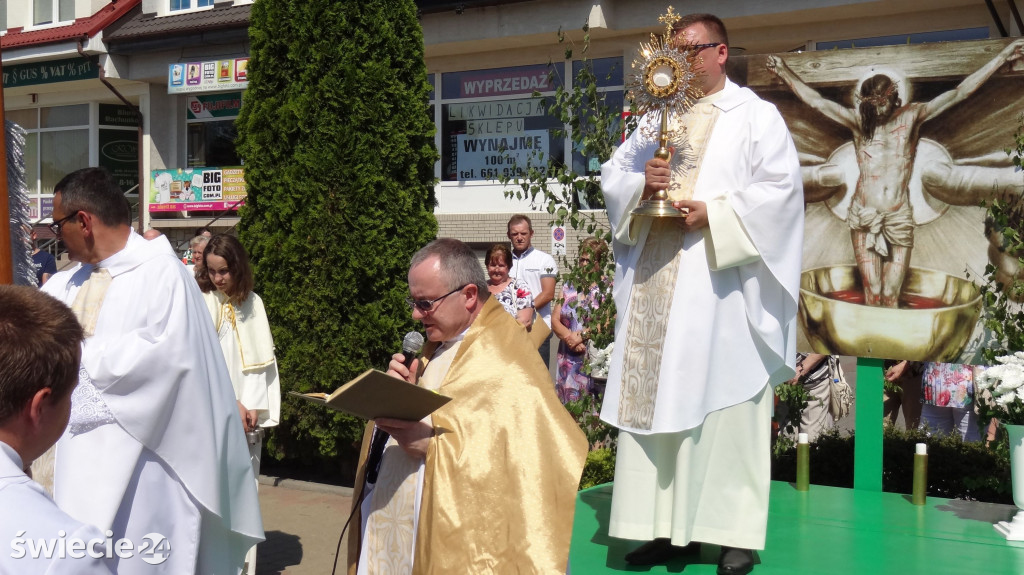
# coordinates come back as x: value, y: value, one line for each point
x: 411, y: 346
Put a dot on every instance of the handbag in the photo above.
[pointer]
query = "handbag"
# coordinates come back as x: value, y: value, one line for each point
x: 840, y: 396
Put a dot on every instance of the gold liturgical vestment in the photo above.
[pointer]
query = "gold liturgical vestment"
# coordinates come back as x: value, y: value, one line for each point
x: 503, y: 467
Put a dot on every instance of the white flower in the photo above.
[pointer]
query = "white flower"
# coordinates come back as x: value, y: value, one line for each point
x: 1004, y: 382
x: 599, y: 359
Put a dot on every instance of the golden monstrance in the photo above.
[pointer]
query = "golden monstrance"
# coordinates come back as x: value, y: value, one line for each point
x: 663, y: 82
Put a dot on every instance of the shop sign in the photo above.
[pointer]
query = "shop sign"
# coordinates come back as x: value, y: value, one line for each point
x: 208, y: 76
x: 490, y: 158
x: 35, y: 213
x: 210, y: 106
x: 116, y: 115
x: 18, y: 75
x: 119, y: 153
x: 207, y: 189
x: 497, y: 109
x: 505, y: 82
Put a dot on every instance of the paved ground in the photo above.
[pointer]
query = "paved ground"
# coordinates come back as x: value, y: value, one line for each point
x: 302, y: 522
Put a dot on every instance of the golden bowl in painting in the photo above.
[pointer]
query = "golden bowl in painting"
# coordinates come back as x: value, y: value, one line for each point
x: 934, y: 321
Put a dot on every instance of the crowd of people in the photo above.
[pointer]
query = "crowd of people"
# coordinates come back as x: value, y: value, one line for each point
x: 151, y: 378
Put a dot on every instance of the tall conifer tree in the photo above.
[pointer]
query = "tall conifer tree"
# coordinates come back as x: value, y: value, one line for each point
x: 337, y: 142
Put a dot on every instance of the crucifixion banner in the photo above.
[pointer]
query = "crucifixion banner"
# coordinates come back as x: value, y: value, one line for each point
x: 900, y: 147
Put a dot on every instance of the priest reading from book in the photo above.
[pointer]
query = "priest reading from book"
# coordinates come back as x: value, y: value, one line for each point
x: 487, y: 483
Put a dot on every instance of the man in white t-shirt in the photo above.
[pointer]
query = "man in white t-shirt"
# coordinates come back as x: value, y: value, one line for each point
x: 538, y: 269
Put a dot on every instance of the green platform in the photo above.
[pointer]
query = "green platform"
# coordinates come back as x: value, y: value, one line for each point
x: 831, y: 531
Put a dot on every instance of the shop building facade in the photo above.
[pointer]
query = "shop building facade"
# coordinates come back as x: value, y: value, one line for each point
x: 486, y: 58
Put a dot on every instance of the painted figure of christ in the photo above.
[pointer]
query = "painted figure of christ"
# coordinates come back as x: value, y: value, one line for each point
x: 886, y: 133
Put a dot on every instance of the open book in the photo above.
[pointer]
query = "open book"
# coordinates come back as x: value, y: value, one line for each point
x: 376, y: 394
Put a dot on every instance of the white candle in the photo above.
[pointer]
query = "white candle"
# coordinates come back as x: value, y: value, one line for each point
x: 801, y: 438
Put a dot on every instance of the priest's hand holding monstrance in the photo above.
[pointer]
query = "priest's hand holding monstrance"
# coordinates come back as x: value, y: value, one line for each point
x: 663, y: 82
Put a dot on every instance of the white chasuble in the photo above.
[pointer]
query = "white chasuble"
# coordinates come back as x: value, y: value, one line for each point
x: 391, y: 510
x: 155, y: 443
x: 728, y: 328
x: 656, y: 274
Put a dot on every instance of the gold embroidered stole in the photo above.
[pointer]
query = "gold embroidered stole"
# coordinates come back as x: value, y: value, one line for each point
x: 655, y: 276
x: 391, y: 524
x: 89, y: 299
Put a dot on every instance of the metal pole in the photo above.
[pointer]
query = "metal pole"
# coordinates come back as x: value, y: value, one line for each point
x: 6, y: 254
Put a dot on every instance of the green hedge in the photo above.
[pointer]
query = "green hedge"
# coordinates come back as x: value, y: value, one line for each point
x: 956, y: 469
x: 338, y: 145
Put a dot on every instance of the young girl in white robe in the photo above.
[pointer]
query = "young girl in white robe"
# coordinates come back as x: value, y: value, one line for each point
x: 241, y: 323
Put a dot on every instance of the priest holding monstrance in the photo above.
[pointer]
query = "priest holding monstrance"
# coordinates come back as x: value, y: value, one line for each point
x: 706, y: 206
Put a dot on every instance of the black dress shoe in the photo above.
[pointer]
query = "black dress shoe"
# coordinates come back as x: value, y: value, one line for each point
x: 659, y: 551
x: 735, y: 561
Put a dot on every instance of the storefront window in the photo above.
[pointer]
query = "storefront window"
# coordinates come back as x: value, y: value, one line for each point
x: 57, y: 143
x: 212, y: 144
x: 32, y: 162
x: 27, y: 119
x: 63, y: 116
x: 61, y: 152
x: 607, y: 73
x: 211, y: 129
x: 492, y: 125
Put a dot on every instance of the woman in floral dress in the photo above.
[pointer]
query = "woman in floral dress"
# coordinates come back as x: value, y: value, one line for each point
x: 570, y: 381
x: 947, y: 398
x: 513, y: 295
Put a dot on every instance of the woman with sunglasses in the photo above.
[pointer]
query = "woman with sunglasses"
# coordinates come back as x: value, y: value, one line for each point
x: 241, y: 323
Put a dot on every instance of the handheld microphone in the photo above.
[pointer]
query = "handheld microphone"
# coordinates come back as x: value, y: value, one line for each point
x: 411, y: 346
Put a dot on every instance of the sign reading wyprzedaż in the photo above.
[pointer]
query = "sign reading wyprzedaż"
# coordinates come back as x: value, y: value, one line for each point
x: 196, y: 189
x: 51, y: 72
x: 505, y: 82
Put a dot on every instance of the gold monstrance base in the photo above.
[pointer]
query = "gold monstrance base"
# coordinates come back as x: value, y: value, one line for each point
x: 657, y: 208
x: 659, y: 205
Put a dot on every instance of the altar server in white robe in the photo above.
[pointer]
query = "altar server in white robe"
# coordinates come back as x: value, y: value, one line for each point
x: 39, y: 357
x: 155, y: 444
x: 706, y: 316
x: 241, y: 323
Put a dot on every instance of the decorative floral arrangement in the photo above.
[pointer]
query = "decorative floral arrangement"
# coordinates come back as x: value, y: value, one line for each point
x: 598, y: 359
x: 1000, y: 389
